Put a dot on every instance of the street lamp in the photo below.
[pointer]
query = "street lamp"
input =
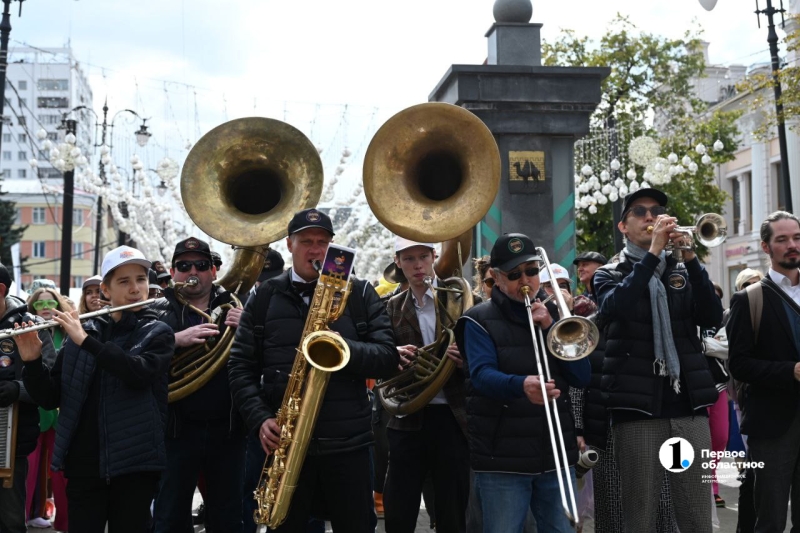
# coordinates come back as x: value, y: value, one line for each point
x: 70, y: 127
x: 772, y: 39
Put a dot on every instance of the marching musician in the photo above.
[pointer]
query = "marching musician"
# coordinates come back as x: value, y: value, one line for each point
x: 433, y: 440
x: 336, y: 469
x: 204, y: 434
x: 110, y: 383
x: 14, y: 310
x: 510, y: 448
x: 656, y: 377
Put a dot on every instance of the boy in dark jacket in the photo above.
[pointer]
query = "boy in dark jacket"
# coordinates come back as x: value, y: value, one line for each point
x: 110, y: 382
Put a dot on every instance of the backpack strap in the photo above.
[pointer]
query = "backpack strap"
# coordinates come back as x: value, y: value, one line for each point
x: 755, y: 297
x: 358, y: 311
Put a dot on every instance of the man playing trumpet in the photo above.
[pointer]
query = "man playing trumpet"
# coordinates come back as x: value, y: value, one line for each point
x: 510, y: 448
x: 657, y: 380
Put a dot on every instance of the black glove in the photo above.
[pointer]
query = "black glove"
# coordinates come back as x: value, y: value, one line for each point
x: 9, y: 393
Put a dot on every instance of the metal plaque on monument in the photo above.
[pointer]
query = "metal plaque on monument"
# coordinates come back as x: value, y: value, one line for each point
x: 536, y: 114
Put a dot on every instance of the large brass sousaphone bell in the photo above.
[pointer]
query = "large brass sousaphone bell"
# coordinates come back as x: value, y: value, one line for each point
x: 431, y: 172
x: 241, y: 184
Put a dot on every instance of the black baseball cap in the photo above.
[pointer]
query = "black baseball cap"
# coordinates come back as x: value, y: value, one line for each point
x: 511, y: 250
x: 310, y: 218
x: 192, y: 244
x: 216, y: 259
x: 594, y: 257
x: 273, y: 266
x: 649, y: 192
x: 153, y: 279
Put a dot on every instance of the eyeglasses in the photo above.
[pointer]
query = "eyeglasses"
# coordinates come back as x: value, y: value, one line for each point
x: 45, y: 304
x: 489, y: 282
x: 185, y: 266
x: 530, y: 272
x: 640, y: 211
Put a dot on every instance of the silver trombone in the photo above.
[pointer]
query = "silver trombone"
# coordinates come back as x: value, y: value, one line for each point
x: 47, y: 324
x: 571, y: 338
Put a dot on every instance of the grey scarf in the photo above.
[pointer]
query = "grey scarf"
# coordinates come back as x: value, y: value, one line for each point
x: 667, y: 362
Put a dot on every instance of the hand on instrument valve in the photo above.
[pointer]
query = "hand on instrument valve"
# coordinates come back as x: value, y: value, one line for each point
x: 541, y: 315
x: 195, y: 335
x: 29, y: 344
x: 455, y: 355
x: 533, y: 390
x: 407, y: 354
x: 662, y: 229
x: 270, y: 435
x: 233, y: 317
x: 681, y: 239
x: 71, y: 324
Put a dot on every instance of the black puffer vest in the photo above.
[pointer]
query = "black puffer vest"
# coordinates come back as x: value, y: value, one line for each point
x: 629, y: 377
x: 595, y: 415
x: 512, y: 436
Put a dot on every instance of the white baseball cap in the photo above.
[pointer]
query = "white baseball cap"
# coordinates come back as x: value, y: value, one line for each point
x: 122, y: 256
x: 401, y: 244
x: 558, y: 271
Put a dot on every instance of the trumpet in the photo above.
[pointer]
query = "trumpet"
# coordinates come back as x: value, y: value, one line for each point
x: 47, y: 324
x: 711, y: 230
x: 571, y: 338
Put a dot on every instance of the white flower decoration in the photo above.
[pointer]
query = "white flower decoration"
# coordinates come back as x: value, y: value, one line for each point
x: 642, y: 150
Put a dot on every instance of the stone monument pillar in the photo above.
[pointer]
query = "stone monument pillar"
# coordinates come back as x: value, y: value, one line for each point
x: 536, y: 114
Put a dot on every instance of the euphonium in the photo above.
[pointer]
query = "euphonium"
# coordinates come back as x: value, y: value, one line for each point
x: 320, y: 353
x: 431, y: 172
x: 241, y: 184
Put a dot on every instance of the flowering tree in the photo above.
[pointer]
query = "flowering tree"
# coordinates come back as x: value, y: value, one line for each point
x: 663, y: 134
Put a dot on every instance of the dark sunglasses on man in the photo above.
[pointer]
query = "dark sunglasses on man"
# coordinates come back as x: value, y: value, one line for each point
x: 201, y: 265
x: 640, y: 211
x: 516, y: 274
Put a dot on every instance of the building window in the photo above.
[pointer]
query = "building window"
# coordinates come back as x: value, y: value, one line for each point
x: 77, y: 250
x: 23, y: 102
x: 23, y: 85
x: 77, y: 217
x: 78, y: 281
x: 43, y: 155
x: 38, y: 249
x: 52, y: 102
x: 22, y: 155
x: 22, y: 173
x: 6, y: 172
x: 18, y: 216
x: 52, y: 136
x: 747, y: 208
x: 22, y: 121
x: 736, y: 194
x: 38, y: 215
x: 6, y: 156
x: 778, y: 196
x: 50, y: 119
x: 49, y: 173
x: 6, y: 137
x: 22, y: 137
x: 52, y: 85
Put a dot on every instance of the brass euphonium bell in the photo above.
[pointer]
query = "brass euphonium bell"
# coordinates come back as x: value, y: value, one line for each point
x: 241, y: 184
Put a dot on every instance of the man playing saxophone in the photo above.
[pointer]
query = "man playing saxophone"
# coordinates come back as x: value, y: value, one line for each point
x: 432, y: 440
x: 335, y: 480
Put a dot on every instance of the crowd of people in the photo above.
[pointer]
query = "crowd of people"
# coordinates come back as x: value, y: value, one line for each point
x: 96, y: 430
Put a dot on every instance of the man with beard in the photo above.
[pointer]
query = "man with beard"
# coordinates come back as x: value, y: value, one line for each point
x: 764, y: 354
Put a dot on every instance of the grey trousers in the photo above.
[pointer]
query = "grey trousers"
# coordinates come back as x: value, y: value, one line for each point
x: 778, y: 480
x: 636, y: 448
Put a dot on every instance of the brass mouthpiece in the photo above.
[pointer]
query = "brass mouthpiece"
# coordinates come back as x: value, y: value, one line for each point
x: 525, y: 289
x: 650, y: 229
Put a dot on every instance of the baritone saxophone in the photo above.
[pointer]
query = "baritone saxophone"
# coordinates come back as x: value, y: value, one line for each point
x: 320, y: 353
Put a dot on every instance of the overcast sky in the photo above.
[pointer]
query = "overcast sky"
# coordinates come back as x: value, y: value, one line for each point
x: 336, y: 70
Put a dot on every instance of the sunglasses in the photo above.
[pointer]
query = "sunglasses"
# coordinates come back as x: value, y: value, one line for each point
x: 185, y: 266
x: 515, y: 275
x: 45, y: 304
x: 489, y: 282
x: 640, y: 211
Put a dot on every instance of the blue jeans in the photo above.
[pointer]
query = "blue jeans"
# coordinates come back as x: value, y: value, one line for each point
x: 505, y: 499
x: 207, y: 447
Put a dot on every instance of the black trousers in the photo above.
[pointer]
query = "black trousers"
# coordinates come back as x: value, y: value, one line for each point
x: 339, y: 485
x: 440, y: 449
x: 122, y: 501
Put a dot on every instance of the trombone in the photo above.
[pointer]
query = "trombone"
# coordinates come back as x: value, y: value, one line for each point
x: 571, y: 338
x: 47, y: 324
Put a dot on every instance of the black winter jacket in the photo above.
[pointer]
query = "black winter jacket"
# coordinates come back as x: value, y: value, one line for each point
x: 132, y: 356
x: 512, y: 436
x: 259, y: 375
x: 629, y: 377
x: 593, y: 412
x: 11, y: 370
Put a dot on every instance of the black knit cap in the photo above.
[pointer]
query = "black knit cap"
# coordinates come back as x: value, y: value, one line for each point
x: 273, y: 266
